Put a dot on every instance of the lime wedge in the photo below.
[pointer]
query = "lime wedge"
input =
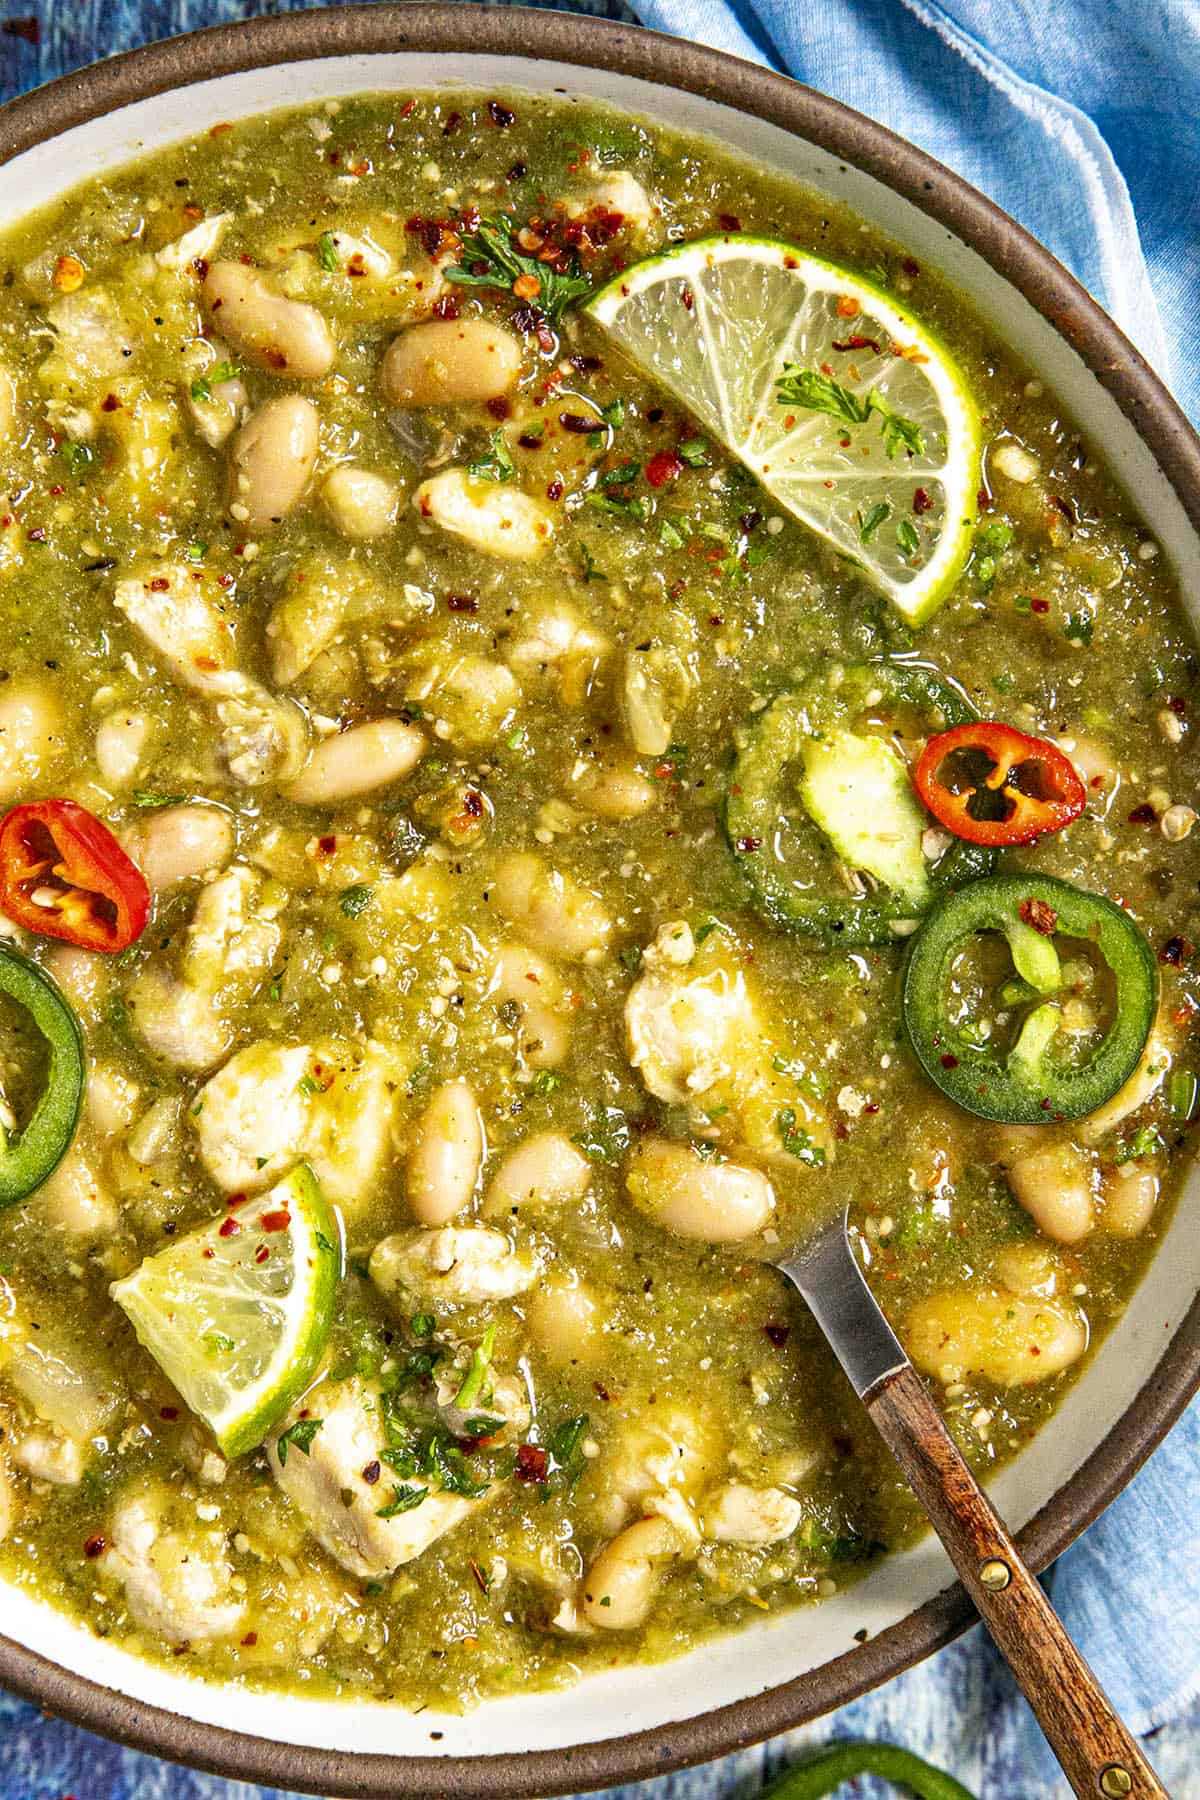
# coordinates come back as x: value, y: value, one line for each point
x: 871, y: 439
x: 237, y: 1314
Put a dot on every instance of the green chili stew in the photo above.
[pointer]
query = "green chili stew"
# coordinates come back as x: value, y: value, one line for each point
x: 478, y: 583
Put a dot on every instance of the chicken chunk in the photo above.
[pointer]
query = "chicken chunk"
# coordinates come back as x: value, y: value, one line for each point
x: 230, y: 945
x: 456, y: 1266
x: 738, y: 1514
x: 176, y: 1575
x: 330, y: 1104
x: 47, y: 1454
x: 699, y: 1037
x: 337, y: 1489
x: 554, y: 642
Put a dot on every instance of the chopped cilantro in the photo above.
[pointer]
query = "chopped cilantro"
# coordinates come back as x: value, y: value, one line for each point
x: 403, y: 1500
x: 297, y: 1437
x: 498, y: 464
x: 907, y: 538
x: 355, y: 900
x: 870, y: 522
x: 693, y: 452
x: 490, y: 258
x: 327, y: 253
x: 796, y: 1140
x: 821, y: 393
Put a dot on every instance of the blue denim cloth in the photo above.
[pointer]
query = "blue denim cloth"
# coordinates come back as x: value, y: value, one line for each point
x: 1082, y: 119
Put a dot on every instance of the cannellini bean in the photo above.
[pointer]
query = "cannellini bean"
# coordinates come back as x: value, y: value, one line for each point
x: 543, y: 1171
x: 179, y: 843
x: 566, y: 1322
x: 31, y: 736
x: 1142, y: 1085
x: 1052, y: 1179
x: 994, y: 1333
x: 551, y: 909
x: 1130, y: 1197
x: 288, y: 337
x: 111, y: 1100
x: 455, y: 1266
x: 83, y: 975
x: 76, y: 1201
x: 616, y: 790
x: 361, y: 503
x: 271, y: 461
x: 358, y: 761
x: 496, y: 520
x: 8, y: 404
x: 533, y: 984
x: 718, y: 1202
x: 473, y: 698
x: 620, y: 1587
x: 120, y: 740
x: 446, y: 1155
x: 444, y: 362
x: 1029, y: 1269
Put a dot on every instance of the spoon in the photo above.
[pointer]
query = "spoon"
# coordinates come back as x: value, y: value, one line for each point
x: 1098, y: 1755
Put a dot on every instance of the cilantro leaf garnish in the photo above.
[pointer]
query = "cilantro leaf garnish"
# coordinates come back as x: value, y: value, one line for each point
x: 497, y: 465
x: 490, y: 258
x: 297, y: 1437
x: 821, y: 393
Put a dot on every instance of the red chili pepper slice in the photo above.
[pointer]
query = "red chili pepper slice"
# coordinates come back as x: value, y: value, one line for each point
x: 64, y: 875
x: 1039, y: 786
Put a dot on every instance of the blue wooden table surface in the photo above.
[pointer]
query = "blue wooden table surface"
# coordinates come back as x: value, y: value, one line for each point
x: 960, y: 1709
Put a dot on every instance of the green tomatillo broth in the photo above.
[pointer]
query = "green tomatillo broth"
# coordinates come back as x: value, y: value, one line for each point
x: 412, y: 640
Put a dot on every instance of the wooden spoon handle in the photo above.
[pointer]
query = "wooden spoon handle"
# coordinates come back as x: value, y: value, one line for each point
x: 1099, y: 1756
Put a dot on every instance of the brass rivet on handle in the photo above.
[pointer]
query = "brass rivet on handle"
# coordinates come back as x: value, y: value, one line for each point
x: 996, y: 1575
x: 1116, y: 1781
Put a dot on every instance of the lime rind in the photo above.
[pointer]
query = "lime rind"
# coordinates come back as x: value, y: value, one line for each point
x: 238, y: 1334
x: 714, y: 321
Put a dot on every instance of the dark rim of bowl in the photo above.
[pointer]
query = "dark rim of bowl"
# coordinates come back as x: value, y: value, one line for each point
x: 35, y: 118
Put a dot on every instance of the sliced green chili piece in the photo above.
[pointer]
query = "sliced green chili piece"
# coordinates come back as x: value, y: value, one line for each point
x: 782, y: 843
x: 824, y: 1771
x: 30, y: 1157
x: 1027, y: 1084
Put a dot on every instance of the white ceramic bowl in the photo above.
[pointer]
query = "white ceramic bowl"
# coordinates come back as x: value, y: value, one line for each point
x: 736, y: 1689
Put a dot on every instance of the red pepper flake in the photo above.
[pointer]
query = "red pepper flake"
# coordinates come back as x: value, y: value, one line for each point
x: 38, y: 536
x: 445, y: 307
x: 168, y: 1413
x: 501, y: 116
x: 777, y: 1334
x: 1143, y: 815
x: 729, y: 222
x: 57, y: 489
x: 910, y: 267
x: 949, y: 1061
x: 208, y: 1253
x: 1177, y: 951
x: 1178, y: 706
x: 220, y: 130
x: 580, y: 423
x: 461, y: 603
x: 662, y: 467
x: 327, y: 845
x: 745, y: 845
x: 688, y: 298
x: 278, y: 1220
x: 260, y: 1255
x: 516, y: 173
x: 500, y: 406
x: 159, y: 585
x: 228, y: 1228
x: 250, y: 1639
x: 529, y: 440
x: 94, y: 1547
x: 554, y: 490
x: 453, y: 121
x: 371, y: 1473
x: 856, y: 342
x: 532, y: 1463
x: 110, y: 403
x: 1039, y: 606
x: 922, y: 501
x: 848, y: 307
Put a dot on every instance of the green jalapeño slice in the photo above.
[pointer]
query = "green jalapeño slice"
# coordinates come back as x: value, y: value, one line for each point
x: 989, y: 979
x: 28, y: 1157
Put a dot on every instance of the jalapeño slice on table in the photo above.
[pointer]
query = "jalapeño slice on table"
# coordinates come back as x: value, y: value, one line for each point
x: 28, y: 1157
x: 991, y: 1039
x: 817, y: 783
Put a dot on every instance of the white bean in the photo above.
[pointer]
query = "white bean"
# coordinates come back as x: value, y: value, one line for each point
x: 496, y: 520
x: 120, y: 740
x: 1130, y: 1197
x: 446, y: 1155
x: 111, y: 1100
x: 75, y: 1200
x: 288, y: 337
x: 445, y: 362
x: 361, y: 503
x: 620, y: 1587
x: 31, y: 735
x: 180, y: 842
x: 566, y: 1322
x: 616, y: 790
x: 533, y: 984
x: 718, y: 1202
x: 543, y: 1171
x: 271, y: 461
x: 83, y: 975
x: 997, y: 1334
x: 1052, y: 1179
x: 551, y: 909
x: 358, y: 761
